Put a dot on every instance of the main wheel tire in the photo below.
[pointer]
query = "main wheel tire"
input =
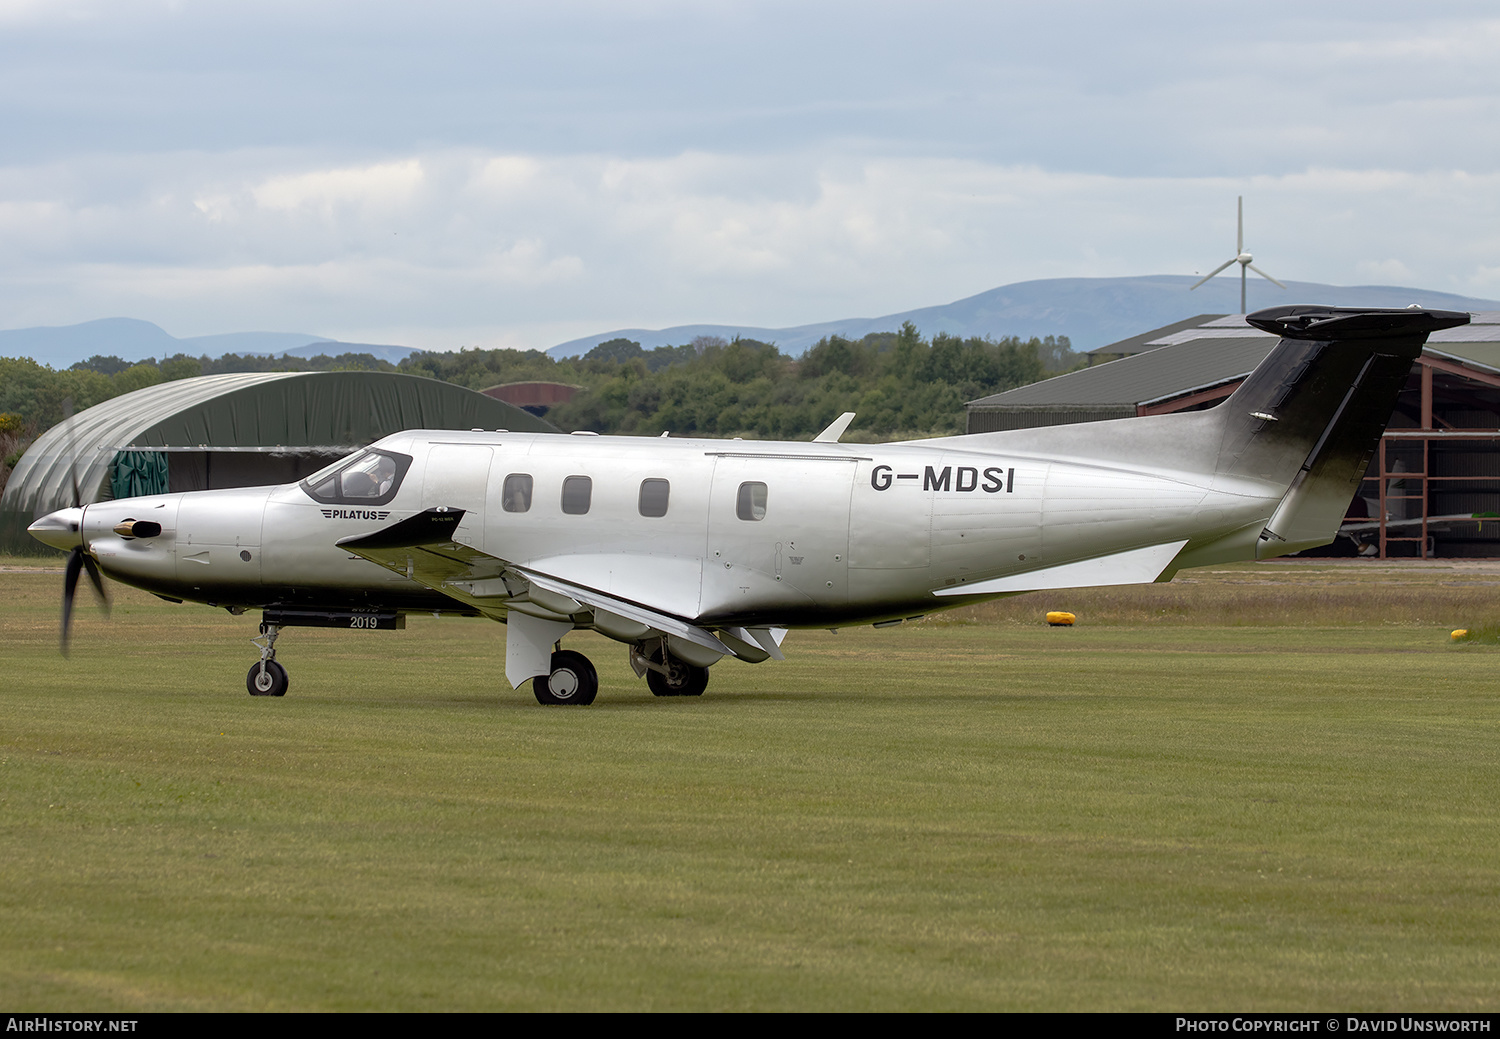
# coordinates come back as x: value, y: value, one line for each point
x: 270, y: 681
x: 681, y: 679
x: 573, y: 681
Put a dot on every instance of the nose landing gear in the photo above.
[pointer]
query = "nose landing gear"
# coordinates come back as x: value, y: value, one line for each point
x: 267, y: 678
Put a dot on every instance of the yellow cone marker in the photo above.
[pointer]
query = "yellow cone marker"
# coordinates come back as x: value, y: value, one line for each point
x: 1059, y: 619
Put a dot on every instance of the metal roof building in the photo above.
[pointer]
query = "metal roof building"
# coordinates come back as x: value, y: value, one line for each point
x: 1438, y: 463
x: 231, y: 431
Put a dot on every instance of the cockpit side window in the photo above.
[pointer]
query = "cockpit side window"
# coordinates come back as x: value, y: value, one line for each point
x: 370, y: 478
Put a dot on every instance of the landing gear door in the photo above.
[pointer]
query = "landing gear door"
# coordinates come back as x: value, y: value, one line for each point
x: 777, y: 526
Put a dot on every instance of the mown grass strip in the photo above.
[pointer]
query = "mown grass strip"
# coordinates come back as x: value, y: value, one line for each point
x: 986, y: 814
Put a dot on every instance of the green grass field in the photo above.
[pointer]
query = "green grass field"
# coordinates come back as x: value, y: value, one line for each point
x: 1260, y: 788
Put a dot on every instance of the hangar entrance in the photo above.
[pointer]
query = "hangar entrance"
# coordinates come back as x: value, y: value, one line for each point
x: 190, y: 469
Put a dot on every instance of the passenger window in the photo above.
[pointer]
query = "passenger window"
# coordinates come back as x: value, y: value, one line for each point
x: 515, y: 496
x: 751, y: 504
x: 577, y: 491
x: 654, y: 495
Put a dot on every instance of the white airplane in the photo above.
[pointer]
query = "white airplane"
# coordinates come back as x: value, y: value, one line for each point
x: 689, y: 551
x: 1365, y: 534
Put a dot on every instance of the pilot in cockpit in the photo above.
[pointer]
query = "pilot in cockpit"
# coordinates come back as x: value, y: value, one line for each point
x: 370, y: 481
x: 385, y: 475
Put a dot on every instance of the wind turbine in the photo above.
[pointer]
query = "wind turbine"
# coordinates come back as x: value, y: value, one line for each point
x: 1242, y: 258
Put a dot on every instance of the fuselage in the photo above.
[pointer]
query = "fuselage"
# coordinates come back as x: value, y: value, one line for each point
x: 721, y: 532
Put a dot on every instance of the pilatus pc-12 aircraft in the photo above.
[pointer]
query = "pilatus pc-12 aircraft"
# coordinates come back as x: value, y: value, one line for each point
x: 690, y: 551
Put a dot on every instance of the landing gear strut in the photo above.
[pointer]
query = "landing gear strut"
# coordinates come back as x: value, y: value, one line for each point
x: 668, y: 676
x: 573, y: 680
x: 267, y: 678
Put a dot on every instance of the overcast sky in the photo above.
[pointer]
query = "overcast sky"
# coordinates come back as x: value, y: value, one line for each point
x: 447, y: 174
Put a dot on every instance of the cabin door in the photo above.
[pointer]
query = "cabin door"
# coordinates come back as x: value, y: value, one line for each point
x: 778, y: 526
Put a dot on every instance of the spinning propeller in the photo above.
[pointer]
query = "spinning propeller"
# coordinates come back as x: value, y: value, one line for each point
x: 78, y: 560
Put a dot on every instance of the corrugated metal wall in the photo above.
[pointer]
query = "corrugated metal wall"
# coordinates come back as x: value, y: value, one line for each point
x: 987, y: 420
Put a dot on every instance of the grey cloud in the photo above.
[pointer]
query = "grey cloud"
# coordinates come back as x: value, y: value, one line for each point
x: 529, y: 250
x: 1114, y: 88
x: 526, y: 173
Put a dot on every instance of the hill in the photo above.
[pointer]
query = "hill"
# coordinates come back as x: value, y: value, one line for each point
x: 132, y: 340
x: 1091, y: 312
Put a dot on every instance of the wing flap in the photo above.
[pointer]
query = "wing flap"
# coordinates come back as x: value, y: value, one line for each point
x: 629, y: 610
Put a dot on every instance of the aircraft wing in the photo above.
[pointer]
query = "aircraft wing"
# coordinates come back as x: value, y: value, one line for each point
x: 1440, y: 524
x: 1431, y: 520
x: 422, y: 548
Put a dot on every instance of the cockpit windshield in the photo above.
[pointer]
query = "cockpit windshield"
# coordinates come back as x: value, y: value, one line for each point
x: 369, y: 478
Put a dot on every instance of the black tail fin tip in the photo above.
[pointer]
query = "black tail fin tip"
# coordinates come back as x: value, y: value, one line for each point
x: 1341, y: 323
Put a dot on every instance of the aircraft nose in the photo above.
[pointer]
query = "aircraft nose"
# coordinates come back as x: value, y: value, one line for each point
x: 61, y: 529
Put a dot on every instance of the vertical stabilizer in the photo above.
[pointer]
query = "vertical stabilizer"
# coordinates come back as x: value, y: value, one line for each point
x: 1311, y: 415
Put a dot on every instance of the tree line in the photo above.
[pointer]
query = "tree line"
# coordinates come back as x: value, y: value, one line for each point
x: 899, y: 384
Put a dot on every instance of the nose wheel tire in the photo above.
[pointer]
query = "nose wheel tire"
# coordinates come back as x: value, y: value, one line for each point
x: 573, y: 681
x: 681, y: 679
x: 268, y: 679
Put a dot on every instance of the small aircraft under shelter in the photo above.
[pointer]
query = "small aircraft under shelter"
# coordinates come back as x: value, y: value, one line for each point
x: 691, y: 551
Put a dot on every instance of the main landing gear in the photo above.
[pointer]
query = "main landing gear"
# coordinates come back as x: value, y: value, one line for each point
x: 267, y: 678
x: 668, y: 676
x: 573, y: 680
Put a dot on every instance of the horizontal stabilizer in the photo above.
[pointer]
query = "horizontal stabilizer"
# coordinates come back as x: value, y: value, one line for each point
x: 1138, y: 566
x: 1343, y: 323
